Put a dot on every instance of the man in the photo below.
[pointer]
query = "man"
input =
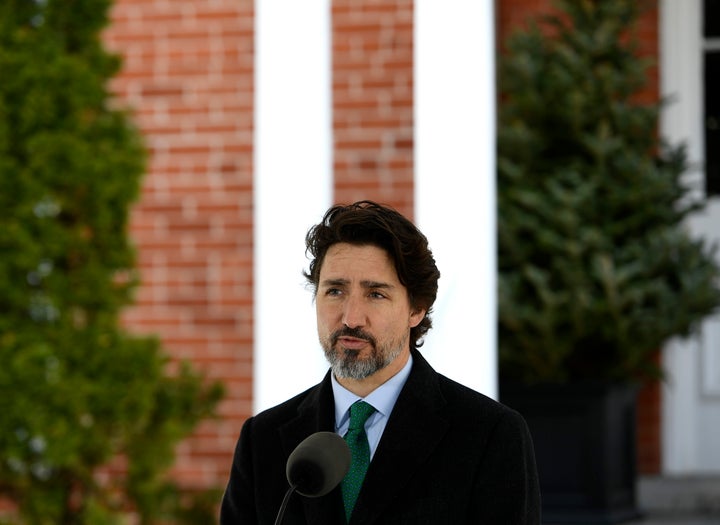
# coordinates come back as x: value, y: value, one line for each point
x: 439, y: 452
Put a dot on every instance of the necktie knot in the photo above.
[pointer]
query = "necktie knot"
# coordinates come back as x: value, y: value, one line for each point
x: 360, y: 411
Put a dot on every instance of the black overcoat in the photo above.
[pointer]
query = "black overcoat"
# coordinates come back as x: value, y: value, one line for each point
x: 448, y: 455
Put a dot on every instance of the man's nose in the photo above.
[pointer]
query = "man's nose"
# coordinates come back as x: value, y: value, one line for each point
x: 354, y: 312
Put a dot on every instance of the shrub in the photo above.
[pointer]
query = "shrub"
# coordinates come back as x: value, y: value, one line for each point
x: 77, y: 391
x: 596, y: 268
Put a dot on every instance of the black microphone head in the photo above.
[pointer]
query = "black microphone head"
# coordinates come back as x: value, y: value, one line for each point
x: 318, y: 464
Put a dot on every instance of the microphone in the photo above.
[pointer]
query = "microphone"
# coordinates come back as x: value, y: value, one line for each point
x: 316, y: 466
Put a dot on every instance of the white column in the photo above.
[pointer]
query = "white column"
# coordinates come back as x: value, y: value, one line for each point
x: 691, y: 391
x: 455, y: 182
x: 292, y: 187
x: 680, y: 54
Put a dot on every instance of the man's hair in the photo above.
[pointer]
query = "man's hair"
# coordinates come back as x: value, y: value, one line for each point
x: 368, y: 223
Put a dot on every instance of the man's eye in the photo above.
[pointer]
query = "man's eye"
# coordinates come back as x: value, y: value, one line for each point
x: 333, y: 291
x: 377, y: 295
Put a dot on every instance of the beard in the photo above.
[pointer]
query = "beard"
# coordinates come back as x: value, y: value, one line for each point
x: 347, y: 363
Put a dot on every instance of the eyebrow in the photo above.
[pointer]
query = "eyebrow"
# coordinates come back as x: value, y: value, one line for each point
x: 364, y: 284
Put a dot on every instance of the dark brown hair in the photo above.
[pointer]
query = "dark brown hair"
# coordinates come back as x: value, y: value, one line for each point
x: 369, y: 223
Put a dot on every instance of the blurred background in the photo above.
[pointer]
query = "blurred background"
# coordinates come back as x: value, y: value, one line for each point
x: 247, y: 120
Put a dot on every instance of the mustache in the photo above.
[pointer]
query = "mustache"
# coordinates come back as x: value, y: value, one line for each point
x: 357, y: 333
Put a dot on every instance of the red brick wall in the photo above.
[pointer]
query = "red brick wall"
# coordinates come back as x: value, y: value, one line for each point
x: 513, y: 14
x: 188, y: 74
x: 373, y: 101
x: 649, y: 431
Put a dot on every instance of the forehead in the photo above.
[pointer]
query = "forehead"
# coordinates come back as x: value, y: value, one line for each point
x: 344, y: 260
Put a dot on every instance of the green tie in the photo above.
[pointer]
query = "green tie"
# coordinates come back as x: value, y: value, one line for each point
x: 357, y: 441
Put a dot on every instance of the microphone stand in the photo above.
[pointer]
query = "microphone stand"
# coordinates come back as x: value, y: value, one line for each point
x: 283, y: 506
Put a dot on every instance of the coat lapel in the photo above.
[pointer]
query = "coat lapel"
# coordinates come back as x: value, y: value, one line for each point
x: 315, y: 414
x: 414, y: 429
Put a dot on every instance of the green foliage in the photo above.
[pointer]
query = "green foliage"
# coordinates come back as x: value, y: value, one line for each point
x: 596, y: 269
x: 76, y: 392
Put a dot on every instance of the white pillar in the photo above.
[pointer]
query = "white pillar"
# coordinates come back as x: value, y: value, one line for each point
x: 691, y: 391
x: 292, y: 188
x: 455, y: 182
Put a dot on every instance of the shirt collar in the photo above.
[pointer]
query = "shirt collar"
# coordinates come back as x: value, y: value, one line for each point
x: 383, y: 398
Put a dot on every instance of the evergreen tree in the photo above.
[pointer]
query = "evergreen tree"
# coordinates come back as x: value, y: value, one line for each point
x: 76, y: 391
x: 596, y: 268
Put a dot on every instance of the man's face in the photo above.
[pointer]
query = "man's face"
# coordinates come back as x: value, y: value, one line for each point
x: 364, y: 315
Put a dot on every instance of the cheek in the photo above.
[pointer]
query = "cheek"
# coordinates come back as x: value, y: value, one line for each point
x: 325, y: 316
x: 319, y: 316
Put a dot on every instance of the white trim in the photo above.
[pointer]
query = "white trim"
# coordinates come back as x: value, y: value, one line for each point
x: 712, y: 44
x: 690, y: 408
x: 680, y: 76
x: 292, y: 188
x: 710, y: 358
x: 454, y: 60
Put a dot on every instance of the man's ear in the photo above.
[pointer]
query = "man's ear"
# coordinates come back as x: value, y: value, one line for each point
x: 416, y: 316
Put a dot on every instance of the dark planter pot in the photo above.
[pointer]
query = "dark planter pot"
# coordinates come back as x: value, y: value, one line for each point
x: 584, y: 436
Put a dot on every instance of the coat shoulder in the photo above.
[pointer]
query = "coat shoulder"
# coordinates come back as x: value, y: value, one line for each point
x: 288, y: 410
x: 457, y: 393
